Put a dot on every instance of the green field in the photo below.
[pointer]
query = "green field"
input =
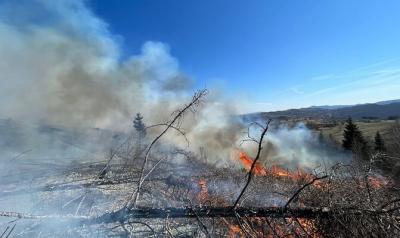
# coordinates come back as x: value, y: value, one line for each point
x: 368, y: 129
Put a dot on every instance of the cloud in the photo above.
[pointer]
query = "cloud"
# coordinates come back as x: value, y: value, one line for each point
x: 296, y: 90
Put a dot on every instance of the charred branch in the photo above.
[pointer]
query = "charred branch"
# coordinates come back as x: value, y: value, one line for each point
x: 198, y: 212
x: 251, y: 173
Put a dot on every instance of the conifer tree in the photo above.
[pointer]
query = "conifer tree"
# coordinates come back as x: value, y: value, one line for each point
x: 379, y: 143
x: 349, y: 133
x: 140, y: 128
x: 353, y: 139
x: 352, y: 135
x: 139, y: 125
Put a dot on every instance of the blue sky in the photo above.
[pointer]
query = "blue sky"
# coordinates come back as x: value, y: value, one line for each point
x: 274, y: 54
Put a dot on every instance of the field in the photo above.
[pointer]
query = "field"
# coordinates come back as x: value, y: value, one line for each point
x: 368, y: 129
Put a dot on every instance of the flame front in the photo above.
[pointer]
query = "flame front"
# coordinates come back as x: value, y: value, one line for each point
x: 247, y: 162
x: 275, y: 170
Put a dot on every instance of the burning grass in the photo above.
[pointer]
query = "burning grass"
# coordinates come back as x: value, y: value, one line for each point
x: 173, y: 193
x: 209, y: 187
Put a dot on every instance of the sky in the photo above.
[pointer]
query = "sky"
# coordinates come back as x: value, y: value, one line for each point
x: 277, y: 54
x: 264, y: 55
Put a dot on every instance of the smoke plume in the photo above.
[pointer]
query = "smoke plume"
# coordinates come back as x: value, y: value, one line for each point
x: 63, y: 67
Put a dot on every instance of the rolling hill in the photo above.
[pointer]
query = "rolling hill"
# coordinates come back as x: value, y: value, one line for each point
x: 380, y: 110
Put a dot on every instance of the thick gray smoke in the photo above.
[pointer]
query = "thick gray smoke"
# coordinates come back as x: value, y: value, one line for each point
x: 63, y: 68
x: 68, y: 71
x: 66, y: 93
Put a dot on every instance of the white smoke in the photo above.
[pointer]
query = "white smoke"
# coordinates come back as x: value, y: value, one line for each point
x: 66, y: 70
x: 296, y: 147
x: 63, y: 67
x: 301, y: 147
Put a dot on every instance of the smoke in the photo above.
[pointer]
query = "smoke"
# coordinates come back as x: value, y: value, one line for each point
x: 297, y: 147
x: 300, y: 146
x: 64, y: 69
x: 62, y: 76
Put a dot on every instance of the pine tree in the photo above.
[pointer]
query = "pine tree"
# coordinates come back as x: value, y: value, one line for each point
x: 352, y: 135
x: 379, y: 144
x: 139, y: 125
x: 353, y: 140
x: 140, y: 128
x: 349, y: 133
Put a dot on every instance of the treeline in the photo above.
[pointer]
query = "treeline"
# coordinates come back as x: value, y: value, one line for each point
x: 354, y: 140
x: 386, y: 156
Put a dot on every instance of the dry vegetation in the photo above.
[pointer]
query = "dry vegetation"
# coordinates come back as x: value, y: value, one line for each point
x: 155, y: 191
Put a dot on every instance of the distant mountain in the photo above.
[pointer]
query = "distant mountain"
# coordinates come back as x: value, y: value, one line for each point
x: 331, y: 106
x: 343, y: 106
x: 379, y: 110
x: 388, y: 102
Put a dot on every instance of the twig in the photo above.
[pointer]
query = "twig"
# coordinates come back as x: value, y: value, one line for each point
x: 4, y: 232
x: 301, y: 189
x: 20, y: 154
x: 9, y: 233
x: 250, y: 173
x: 172, y: 127
x: 202, y: 224
x: 195, y: 101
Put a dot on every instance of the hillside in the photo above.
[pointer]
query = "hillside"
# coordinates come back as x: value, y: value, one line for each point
x: 362, y: 111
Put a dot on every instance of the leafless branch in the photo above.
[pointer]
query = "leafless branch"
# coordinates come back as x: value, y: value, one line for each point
x: 180, y: 113
x: 301, y: 189
x: 250, y: 173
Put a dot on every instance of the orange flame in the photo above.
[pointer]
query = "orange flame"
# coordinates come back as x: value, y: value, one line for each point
x: 234, y: 230
x: 275, y: 170
x: 377, y: 182
x: 247, y: 162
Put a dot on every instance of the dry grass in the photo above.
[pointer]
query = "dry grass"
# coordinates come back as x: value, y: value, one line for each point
x: 368, y: 129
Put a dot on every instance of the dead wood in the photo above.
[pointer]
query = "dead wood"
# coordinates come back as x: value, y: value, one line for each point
x: 185, y: 212
x: 176, y: 119
x: 250, y: 173
x: 200, y: 212
x: 301, y: 189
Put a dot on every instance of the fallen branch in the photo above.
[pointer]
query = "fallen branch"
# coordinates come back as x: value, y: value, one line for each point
x: 185, y: 212
x: 128, y: 215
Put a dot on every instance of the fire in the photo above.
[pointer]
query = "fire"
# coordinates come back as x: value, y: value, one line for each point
x: 235, y: 231
x: 377, y: 182
x: 247, y: 162
x: 280, y: 172
x: 277, y: 171
x: 308, y: 226
x: 274, y: 171
x: 291, y: 228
